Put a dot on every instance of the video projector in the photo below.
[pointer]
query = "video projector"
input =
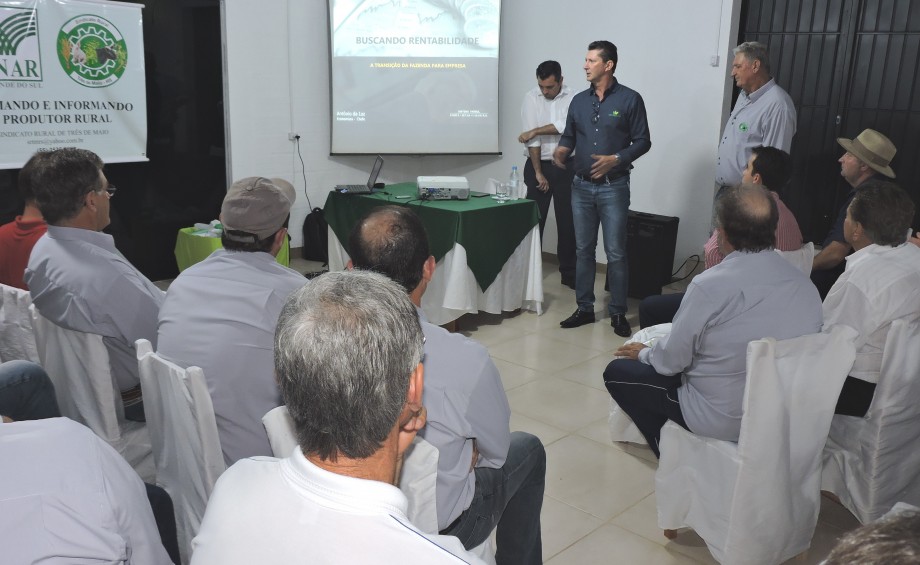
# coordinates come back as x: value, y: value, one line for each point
x: 443, y: 188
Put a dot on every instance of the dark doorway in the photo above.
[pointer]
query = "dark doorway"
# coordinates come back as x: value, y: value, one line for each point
x: 185, y: 179
x: 848, y: 65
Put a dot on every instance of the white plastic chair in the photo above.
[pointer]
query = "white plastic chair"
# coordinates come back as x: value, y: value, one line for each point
x: 16, y: 338
x: 280, y: 430
x: 802, y: 258
x: 757, y: 501
x: 78, y: 364
x: 418, y: 480
x: 183, y: 431
x: 871, y: 463
x: 621, y: 425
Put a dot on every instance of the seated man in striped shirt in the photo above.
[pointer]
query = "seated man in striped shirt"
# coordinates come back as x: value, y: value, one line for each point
x: 769, y: 167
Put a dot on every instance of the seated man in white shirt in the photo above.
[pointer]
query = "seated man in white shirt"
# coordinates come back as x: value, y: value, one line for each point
x: 67, y: 497
x: 488, y: 477
x: 220, y: 314
x: 348, y: 354
x: 76, y: 276
x: 880, y: 284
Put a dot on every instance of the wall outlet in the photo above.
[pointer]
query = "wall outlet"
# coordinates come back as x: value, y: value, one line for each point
x: 293, y: 136
x: 714, y: 61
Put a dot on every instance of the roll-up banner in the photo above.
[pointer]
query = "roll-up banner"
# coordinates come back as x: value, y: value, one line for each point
x: 71, y: 75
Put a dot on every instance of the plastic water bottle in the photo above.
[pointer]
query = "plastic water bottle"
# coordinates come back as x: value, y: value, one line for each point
x: 514, y: 184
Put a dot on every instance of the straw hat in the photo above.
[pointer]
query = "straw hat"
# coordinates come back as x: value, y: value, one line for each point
x: 873, y: 149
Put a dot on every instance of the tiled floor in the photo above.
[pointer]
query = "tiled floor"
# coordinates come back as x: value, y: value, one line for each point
x: 600, y: 501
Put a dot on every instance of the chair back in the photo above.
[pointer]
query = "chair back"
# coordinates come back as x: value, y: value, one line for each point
x: 183, y: 433
x: 801, y: 258
x: 86, y: 391
x: 280, y: 430
x: 792, y: 388
x: 757, y: 501
x: 873, y: 462
x: 16, y: 338
x: 419, y: 481
x: 78, y: 364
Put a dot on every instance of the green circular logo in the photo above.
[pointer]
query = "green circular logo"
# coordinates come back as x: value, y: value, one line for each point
x: 743, y: 127
x: 92, y: 51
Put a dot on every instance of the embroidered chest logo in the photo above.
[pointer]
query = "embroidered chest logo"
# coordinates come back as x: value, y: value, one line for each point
x: 615, y: 114
x: 743, y: 127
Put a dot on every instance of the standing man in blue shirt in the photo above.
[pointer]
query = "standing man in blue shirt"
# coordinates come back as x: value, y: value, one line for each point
x: 607, y: 123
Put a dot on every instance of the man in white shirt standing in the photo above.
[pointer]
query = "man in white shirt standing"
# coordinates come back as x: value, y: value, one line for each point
x: 543, y: 114
x: 348, y: 356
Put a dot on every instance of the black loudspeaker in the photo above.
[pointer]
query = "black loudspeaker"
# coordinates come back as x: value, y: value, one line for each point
x: 650, y: 243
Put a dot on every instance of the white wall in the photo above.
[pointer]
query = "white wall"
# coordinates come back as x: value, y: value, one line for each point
x: 277, y: 81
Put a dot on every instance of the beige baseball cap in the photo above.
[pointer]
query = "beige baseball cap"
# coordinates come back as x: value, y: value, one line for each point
x: 258, y: 206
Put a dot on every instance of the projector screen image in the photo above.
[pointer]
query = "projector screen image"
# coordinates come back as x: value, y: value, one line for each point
x: 414, y: 76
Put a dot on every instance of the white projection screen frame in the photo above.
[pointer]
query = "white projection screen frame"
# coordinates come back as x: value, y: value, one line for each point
x: 414, y: 76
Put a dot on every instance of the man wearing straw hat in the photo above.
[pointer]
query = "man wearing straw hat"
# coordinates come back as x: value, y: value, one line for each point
x: 867, y: 157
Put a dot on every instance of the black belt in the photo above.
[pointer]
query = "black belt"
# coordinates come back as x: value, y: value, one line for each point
x: 606, y: 179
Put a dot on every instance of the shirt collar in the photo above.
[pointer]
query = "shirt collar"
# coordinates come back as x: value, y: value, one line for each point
x: 348, y: 491
x: 613, y: 85
x: 871, y: 249
x: 754, y: 96
x: 97, y: 238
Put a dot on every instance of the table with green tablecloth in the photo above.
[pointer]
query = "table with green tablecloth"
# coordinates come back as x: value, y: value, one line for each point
x: 194, y: 245
x: 488, y: 253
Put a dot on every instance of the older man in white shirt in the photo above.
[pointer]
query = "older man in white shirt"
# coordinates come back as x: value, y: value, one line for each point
x: 543, y: 114
x: 880, y: 284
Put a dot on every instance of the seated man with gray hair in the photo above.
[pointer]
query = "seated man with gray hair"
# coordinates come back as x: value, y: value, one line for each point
x: 348, y: 358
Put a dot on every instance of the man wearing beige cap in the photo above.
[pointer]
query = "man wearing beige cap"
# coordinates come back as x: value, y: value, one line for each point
x: 220, y: 314
x: 867, y: 157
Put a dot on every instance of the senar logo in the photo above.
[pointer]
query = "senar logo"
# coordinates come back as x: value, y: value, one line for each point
x: 19, y: 57
x: 92, y: 51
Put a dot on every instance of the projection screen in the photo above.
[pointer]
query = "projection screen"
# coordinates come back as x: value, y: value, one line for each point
x: 414, y: 76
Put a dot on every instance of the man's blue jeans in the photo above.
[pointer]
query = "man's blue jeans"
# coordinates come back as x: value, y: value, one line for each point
x: 510, y: 497
x: 605, y: 205
x: 26, y: 392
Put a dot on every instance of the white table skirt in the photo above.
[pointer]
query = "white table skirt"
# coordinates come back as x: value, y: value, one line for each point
x: 453, y: 291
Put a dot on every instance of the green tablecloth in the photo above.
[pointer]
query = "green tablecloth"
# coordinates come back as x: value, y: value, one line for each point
x: 489, y: 231
x: 191, y: 249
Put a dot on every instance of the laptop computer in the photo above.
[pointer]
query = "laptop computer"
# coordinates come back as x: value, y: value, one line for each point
x: 361, y: 188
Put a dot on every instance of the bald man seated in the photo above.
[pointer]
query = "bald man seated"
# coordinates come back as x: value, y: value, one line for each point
x: 696, y: 375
